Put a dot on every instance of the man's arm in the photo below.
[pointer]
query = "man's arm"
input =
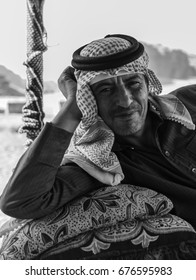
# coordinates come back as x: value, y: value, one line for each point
x: 39, y: 185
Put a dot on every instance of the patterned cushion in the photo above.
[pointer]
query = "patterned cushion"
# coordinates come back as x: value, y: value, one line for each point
x: 166, y: 237
x: 120, y: 213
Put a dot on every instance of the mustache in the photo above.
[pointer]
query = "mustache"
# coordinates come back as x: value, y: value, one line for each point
x: 120, y: 111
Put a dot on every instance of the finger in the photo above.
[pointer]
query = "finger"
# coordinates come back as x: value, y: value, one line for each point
x: 68, y: 73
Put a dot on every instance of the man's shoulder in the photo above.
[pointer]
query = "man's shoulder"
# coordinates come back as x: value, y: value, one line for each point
x: 186, y: 92
x: 187, y: 95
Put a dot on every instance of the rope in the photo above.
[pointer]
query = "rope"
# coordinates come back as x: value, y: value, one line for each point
x: 32, y: 111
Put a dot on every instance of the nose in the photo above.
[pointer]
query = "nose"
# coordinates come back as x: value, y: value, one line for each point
x: 123, y: 97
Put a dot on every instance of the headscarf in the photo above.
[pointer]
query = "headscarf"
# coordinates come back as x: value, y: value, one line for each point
x: 92, y: 142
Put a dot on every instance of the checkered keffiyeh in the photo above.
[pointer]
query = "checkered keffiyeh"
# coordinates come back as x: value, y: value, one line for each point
x: 105, y: 46
x: 92, y: 141
x: 171, y: 108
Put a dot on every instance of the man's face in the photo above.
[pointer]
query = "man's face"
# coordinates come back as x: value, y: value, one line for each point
x: 122, y: 102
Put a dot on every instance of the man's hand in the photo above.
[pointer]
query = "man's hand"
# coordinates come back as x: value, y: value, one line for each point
x: 67, y: 83
x: 68, y: 86
x: 69, y: 116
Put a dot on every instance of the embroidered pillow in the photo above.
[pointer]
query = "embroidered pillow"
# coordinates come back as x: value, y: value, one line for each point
x: 26, y: 239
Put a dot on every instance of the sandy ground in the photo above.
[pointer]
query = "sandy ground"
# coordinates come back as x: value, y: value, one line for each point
x: 12, y: 146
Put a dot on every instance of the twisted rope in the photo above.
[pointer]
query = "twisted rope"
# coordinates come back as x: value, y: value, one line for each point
x: 33, y: 114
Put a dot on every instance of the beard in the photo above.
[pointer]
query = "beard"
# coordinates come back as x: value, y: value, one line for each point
x: 127, y: 127
x: 128, y: 122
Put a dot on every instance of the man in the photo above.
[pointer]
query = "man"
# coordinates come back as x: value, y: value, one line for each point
x: 115, y: 129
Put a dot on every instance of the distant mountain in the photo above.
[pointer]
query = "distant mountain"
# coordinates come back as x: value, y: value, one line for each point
x: 171, y: 64
x: 50, y: 87
x: 166, y: 63
x: 12, y: 84
x: 192, y: 60
x: 11, y: 77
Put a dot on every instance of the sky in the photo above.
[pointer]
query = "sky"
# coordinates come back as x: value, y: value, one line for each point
x: 73, y: 23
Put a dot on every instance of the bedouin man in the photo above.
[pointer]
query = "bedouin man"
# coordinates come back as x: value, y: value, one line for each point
x: 114, y: 127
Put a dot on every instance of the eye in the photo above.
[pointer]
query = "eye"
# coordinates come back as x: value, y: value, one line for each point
x: 133, y: 84
x: 106, y: 90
